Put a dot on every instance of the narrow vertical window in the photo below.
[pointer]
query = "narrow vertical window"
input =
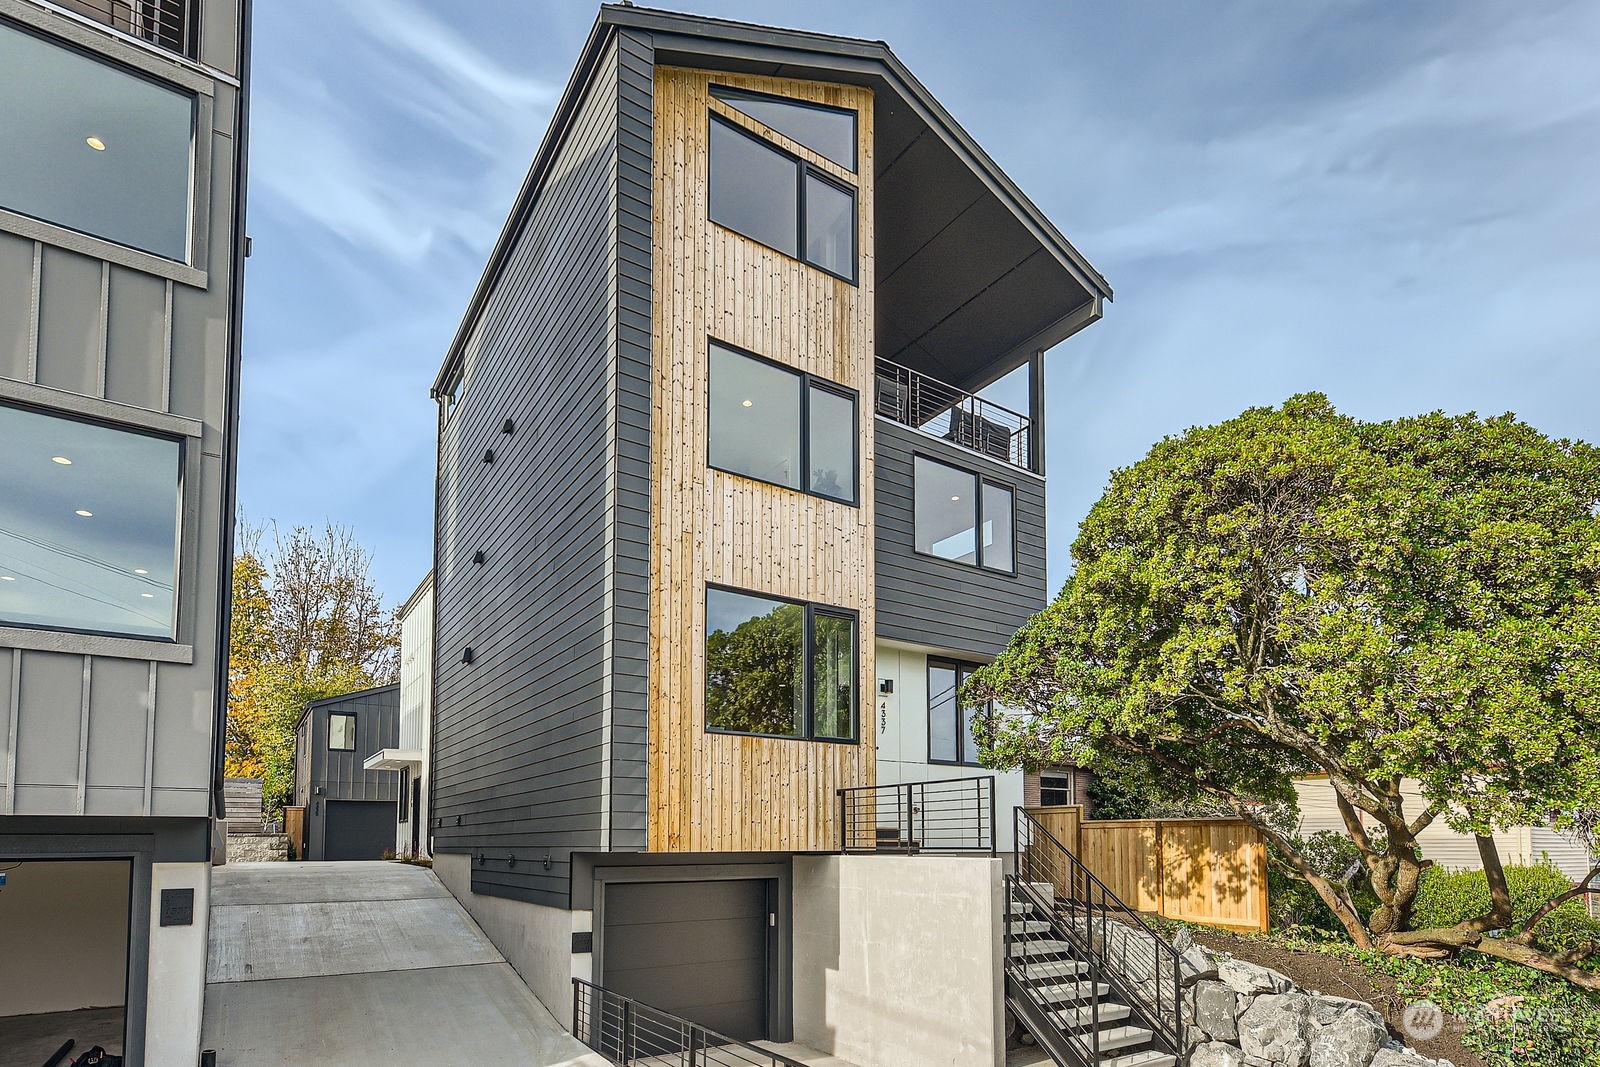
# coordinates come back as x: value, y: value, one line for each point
x: 833, y: 675
x: 832, y: 436
x: 950, y: 723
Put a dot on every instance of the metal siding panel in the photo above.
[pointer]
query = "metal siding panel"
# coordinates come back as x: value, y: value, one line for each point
x: 49, y: 725
x: 8, y: 722
x: 118, y: 693
x: 943, y: 604
x: 527, y: 712
x: 181, y: 777
x: 136, y: 339
x: 16, y: 296
x: 69, y: 322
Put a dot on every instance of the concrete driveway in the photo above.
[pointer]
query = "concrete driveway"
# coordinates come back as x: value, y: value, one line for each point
x: 334, y: 963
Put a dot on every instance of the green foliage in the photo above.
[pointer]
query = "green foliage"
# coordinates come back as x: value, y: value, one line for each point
x: 1295, y: 904
x: 1111, y: 798
x: 1295, y: 590
x: 754, y: 673
x: 1449, y: 897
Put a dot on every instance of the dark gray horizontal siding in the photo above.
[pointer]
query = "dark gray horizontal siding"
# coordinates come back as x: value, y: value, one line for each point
x: 519, y: 734
x: 935, y: 602
x: 630, y: 443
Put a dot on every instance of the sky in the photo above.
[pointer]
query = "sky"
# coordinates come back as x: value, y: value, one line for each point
x: 1395, y: 204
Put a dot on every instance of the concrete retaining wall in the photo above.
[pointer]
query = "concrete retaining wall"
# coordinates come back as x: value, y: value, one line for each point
x: 534, y: 939
x: 897, y: 959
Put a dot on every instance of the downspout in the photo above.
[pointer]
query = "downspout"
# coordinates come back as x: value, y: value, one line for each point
x: 230, y: 436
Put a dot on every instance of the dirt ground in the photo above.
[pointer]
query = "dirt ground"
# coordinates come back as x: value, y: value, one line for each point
x: 1326, y: 974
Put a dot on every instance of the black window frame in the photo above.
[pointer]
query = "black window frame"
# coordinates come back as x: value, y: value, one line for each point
x: 982, y: 480
x: 404, y: 813
x: 807, y: 654
x: 179, y: 529
x: 1068, y: 788
x: 804, y: 168
x: 807, y: 380
x: 963, y: 670
x: 354, y: 731
x: 728, y: 93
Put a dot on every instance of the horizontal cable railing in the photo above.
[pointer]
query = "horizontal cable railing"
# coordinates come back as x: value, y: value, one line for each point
x: 168, y: 23
x: 633, y: 1034
x: 913, y: 399
x: 1143, y: 967
x: 953, y: 815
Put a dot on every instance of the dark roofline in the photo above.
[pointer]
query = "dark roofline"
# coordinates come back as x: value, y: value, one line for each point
x: 690, y: 34
x: 325, y: 701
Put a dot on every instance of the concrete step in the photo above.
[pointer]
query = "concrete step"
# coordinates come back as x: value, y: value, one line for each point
x: 1028, y: 926
x: 1146, y: 1058
x: 1068, y: 992
x: 1039, y: 946
x: 1082, y: 1016
x: 1119, y: 1037
x: 1039, y: 972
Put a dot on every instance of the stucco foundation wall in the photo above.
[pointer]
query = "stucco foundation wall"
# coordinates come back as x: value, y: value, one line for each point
x: 897, y: 959
x: 177, y: 989
x: 534, y: 939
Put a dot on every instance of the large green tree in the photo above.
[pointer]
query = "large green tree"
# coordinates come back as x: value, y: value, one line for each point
x: 307, y: 624
x: 1298, y: 591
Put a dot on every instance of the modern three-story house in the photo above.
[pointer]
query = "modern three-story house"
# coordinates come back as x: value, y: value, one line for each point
x: 723, y: 520
x: 122, y: 150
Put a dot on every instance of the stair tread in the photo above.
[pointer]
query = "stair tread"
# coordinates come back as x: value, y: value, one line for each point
x: 1066, y: 992
x: 1143, y: 1058
x: 1117, y: 1037
x: 1080, y: 1017
x: 1039, y: 946
x: 1039, y: 970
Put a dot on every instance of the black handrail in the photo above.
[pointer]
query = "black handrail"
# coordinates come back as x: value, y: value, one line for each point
x: 170, y: 24
x: 627, y: 1031
x: 1143, y: 967
x: 944, y: 816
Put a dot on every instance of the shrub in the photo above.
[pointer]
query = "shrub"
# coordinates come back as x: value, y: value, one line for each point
x: 1292, y: 901
x: 1445, y: 898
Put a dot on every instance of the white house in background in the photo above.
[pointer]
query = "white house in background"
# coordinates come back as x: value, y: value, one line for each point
x: 410, y: 760
x: 1442, y: 845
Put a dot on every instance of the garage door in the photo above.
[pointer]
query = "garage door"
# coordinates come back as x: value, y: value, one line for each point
x: 696, y: 949
x: 358, y: 830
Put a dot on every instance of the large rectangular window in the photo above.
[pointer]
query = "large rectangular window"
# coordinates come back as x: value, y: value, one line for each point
x: 961, y: 516
x: 93, y: 147
x: 781, y: 426
x: 779, y: 668
x: 341, y: 732
x: 778, y: 199
x: 88, y: 526
x: 950, y: 737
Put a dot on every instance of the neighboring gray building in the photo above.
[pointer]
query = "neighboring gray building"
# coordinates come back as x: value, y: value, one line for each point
x: 122, y: 166
x: 350, y: 810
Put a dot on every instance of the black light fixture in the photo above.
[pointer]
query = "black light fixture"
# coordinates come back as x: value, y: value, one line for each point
x: 885, y: 686
x: 511, y: 860
x: 508, y: 427
x: 466, y: 654
x: 547, y: 861
x: 478, y: 557
x: 488, y: 455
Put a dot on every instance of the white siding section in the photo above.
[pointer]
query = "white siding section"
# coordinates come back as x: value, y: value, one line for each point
x: 416, y: 703
x: 901, y: 721
x: 1519, y: 844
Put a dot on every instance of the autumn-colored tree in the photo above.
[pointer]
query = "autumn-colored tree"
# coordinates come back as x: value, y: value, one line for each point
x: 1295, y: 591
x: 307, y: 624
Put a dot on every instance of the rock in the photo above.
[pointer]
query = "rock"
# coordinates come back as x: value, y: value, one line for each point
x: 1216, y: 1010
x: 1216, y: 1054
x: 1349, y: 1041
x: 1327, y: 1009
x: 1403, y: 1057
x: 1248, y: 978
x: 257, y: 848
x: 1277, y: 1029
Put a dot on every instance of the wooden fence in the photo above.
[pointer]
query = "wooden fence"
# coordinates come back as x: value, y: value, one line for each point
x: 1211, y: 871
x: 294, y: 826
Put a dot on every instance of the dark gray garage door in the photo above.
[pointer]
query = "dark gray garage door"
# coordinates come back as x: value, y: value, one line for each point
x: 696, y: 949
x: 358, y: 829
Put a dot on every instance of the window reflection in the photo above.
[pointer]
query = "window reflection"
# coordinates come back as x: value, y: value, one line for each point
x: 830, y: 132
x: 754, y: 664
x: 88, y: 525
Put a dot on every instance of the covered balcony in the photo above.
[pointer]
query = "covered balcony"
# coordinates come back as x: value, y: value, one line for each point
x: 169, y: 24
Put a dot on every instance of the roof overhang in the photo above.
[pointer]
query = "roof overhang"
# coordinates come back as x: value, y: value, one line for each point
x: 393, y: 759
x: 971, y: 278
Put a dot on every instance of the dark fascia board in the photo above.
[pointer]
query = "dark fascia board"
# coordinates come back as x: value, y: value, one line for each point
x: 342, y: 697
x: 682, y: 39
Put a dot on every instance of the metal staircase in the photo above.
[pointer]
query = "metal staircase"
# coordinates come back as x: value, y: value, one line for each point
x: 1093, y: 983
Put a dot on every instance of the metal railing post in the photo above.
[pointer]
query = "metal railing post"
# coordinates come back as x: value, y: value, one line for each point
x: 906, y: 818
x: 627, y: 1032
x: 844, y: 834
x: 994, y: 830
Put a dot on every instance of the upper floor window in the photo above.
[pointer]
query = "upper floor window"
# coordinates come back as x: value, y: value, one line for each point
x: 1055, y: 790
x: 341, y: 732
x: 962, y: 516
x: 830, y: 132
x: 94, y: 147
x: 781, y: 426
x: 950, y: 737
x: 779, y: 668
x: 88, y: 526
x: 778, y: 199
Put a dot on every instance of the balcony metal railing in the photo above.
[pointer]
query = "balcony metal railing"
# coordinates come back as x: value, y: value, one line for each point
x: 167, y: 23
x: 629, y: 1032
x: 913, y: 399
x: 953, y: 815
